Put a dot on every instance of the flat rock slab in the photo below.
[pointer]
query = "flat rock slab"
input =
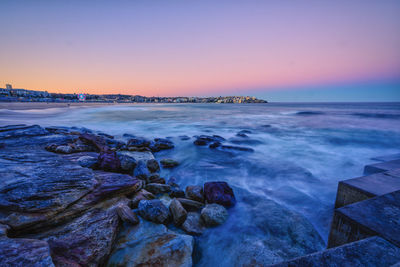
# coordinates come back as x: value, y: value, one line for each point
x: 361, y: 188
x: 379, y: 215
x: 382, y: 167
x: 24, y: 252
x: 373, y: 251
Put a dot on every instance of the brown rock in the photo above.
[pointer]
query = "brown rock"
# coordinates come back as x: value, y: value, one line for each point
x: 179, y: 214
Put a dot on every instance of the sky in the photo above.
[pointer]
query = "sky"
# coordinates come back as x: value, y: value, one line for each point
x: 277, y: 50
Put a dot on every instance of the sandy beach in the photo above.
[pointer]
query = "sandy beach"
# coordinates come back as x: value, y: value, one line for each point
x: 41, y: 105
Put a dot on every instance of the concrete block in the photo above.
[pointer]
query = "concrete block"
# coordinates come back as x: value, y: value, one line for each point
x: 373, y: 251
x: 381, y: 167
x: 365, y: 187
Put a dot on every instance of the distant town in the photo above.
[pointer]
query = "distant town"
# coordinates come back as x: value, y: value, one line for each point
x: 9, y: 94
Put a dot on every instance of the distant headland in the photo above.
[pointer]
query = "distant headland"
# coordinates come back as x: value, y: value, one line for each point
x: 9, y: 94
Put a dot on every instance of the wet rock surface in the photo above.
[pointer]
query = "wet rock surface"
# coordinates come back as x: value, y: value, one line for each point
x: 195, y: 192
x: 178, y: 212
x: 169, y: 163
x: 214, y: 214
x: 154, y: 210
x: 150, y: 244
x: 220, y: 193
x: 193, y: 224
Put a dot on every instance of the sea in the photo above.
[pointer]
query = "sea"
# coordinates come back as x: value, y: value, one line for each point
x: 301, y: 152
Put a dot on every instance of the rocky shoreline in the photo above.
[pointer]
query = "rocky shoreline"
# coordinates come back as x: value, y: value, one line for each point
x: 73, y: 197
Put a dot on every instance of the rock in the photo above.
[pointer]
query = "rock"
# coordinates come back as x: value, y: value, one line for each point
x: 87, y: 240
x: 127, y: 215
x: 87, y: 161
x: 141, y: 170
x: 150, y: 244
x: 98, y: 142
x: 214, y: 214
x: 184, y: 137
x: 79, y: 146
x: 160, y: 144
x: 155, y: 178
x: 17, y: 131
x: 214, y: 145
x: 153, y: 165
x: 128, y: 164
x: 24, y: 252
x: 153, y: 210
x: 4, y: 230
x: 108, y: 161
x: 166, y: 200
x: 169, y: 163
x: 245, y: 132
x: 141, y: 195
x: 63, y: 149
x: 138, y: 142
x: 146, y: 155
x: 242, y: 135
x: 190, y: 205
x: 238, y: 148
x: 195, y: 192
x: 220, y: 193
x: 158, y: 188
x: 193, y: 224
x: 179, y: 214
x: 176, y: 192
x: 203, y: 140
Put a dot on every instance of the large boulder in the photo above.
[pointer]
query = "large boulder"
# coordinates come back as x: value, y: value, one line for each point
x: 220, y: 193
x: 153, y: 165
x: 25, y: 252
x: 128, y: 164
x: 195, y: 192
x: 141, y: 170
x: 214, y: 214
x: 108, y: 161
x: 153, y: 210
x: 150, y: 244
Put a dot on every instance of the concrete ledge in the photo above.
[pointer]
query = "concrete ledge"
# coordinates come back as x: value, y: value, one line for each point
x: 365, y: 187
x: 373, y: 251
x: 376, y: 216
x: 382, y: 167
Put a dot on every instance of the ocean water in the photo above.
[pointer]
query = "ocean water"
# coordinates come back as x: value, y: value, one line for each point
x: 301, y: 151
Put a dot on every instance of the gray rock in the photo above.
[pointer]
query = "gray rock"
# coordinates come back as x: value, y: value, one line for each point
x: 214, y: 214
x: 166, y: 200
x: 16, y: 131
x: 64, y: 149
x: 149, y: 244
x: 190, y: 205
x: 157, y: 188
x: 160, y: 144
x: 179, y: 214
x: 169, y: 163
x: 127, y: 215
x: 87, y: 161
x: 195, y: 192
x: 193, y: 224
x: 146, y: 155
x: 141, y: 195
x: 153, y: 165
x: 25, y: 252
x: 153, y: 210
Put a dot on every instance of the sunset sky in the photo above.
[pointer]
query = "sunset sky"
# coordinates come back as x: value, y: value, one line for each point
x: 277, y: 50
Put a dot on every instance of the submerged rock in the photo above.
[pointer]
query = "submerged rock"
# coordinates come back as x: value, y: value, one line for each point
x: 160, y: 144
x: 179, y: 214
x: 220, y: 193
x: 153, y: 210
x: 193, y: 224
x: 214, y: 214
x: 149, y: 244
x: 238, y: 148
x: 203, y: 140
x: 169, y: 163
x: 195, y: 192
x: 25, y: 252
